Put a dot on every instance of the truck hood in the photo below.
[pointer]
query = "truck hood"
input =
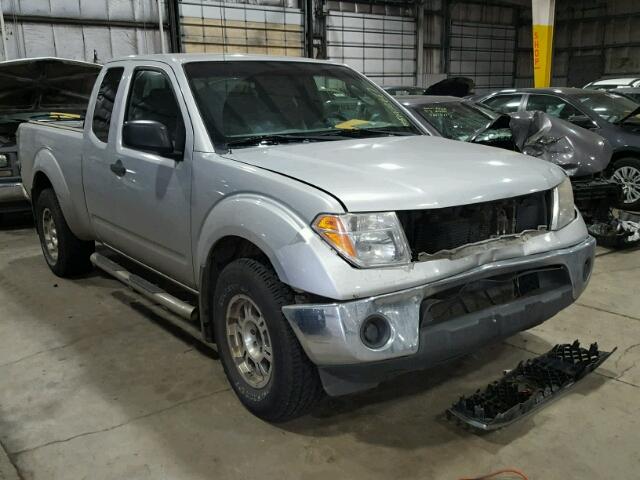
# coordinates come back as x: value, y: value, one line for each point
x: 42, y: 86
x: 406, y: 173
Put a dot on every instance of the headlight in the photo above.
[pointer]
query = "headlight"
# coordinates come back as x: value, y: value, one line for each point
x: 4, y: 161
x: 365, y: 239
x: 563, y: 208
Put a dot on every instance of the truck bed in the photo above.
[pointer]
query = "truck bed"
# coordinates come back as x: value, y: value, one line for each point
x: 76, y: 125
x: 63, y: 140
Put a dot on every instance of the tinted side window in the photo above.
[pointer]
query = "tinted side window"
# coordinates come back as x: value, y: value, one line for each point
x: 504, y: 103
x: 554, y: 106
x: 104, y: 103
x: 151, y: 98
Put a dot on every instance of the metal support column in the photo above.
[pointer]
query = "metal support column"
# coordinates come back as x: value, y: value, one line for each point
x: 163, y: 45
x: 5, y: 55
x: 308, y: 28
x: 174, y: 25
x: 420, y: 44
x: 445, y: 37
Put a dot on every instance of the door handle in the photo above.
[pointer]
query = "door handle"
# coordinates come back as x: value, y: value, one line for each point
x: 118, y: 168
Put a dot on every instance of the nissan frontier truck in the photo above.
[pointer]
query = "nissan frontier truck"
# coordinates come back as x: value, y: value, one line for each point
x: 329, y: 244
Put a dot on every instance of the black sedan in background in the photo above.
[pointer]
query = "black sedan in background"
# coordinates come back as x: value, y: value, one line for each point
x: 614, y: 117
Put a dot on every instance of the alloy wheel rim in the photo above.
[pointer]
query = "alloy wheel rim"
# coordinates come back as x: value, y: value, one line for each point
x: 50, y: 235
x: 249, y: 341
x: 629, y: 178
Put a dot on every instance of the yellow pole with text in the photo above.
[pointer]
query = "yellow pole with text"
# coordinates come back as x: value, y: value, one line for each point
x: 543, y: 13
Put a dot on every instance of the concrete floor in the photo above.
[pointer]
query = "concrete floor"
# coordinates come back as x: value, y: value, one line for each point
x: 94, y: 384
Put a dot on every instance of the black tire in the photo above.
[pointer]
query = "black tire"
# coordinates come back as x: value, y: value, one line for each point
x: 628, y: 165
x: 72, y: 253
x: 294, y: 385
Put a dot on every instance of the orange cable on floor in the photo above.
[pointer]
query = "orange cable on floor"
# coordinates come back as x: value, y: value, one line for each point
x: 499, y: 472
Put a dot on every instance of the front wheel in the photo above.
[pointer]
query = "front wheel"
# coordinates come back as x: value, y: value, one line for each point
x: 626, y: 172
x: 261, y: 356
x: 65, y: 253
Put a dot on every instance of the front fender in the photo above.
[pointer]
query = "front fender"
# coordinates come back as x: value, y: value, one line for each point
x: 73, y: 206
x: 301, y: 259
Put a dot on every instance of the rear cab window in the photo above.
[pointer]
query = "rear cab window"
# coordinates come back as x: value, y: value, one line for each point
x: 103, y: 109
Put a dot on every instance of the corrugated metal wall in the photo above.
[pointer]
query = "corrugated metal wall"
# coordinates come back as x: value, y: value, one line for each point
x: 216, y: 27
x: 77, y: 28
x: 593, y: 38
x: 471, y: 39
x: 380, y: 45
x: 383, y: 47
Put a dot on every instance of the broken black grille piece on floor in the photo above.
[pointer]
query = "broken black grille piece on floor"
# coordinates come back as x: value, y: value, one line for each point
x: 526, y: 388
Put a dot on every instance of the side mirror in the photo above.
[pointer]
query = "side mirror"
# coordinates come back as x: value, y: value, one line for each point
x: 582, y: 121
x: 147, y: 135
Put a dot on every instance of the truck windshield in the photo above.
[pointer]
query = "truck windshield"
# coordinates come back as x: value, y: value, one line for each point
x: 246, y: 103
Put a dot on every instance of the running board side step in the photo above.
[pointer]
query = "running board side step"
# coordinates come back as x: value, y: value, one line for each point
x: 150, y: 291
x: 526, y: 388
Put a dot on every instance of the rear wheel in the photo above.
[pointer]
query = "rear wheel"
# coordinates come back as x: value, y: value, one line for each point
x: 261, y: 355
x: 626, y: 172
x: 65, y: 253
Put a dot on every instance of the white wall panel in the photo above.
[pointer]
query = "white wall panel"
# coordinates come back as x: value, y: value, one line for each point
x: 65, y: 37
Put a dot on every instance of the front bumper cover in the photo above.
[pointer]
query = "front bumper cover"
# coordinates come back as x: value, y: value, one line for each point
x: 330, y: 333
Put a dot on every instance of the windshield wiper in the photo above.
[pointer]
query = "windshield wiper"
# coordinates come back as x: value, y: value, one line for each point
x: 276, y: 139
x: 369, y: 132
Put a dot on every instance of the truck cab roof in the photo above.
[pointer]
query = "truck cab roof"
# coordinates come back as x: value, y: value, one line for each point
x: 181, y: 58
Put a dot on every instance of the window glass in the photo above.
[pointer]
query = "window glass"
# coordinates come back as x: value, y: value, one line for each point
x: 104, y: 103
x: 151, y: 98
x: 504, y: 103
x: 242, y: 100
x: 609, y: 106
x: 551, y: 105
x: 456, y: 120
x: 403, y: 91
x: 633, y: 96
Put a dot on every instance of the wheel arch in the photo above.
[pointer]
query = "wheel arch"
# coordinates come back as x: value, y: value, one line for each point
x: 259, y: 227
x: 47, y: 173
x: 627, y: 152
x: 40, y: 182
x: 222, y: 253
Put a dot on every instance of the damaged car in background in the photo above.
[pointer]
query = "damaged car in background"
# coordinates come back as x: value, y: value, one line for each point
x: 582, y: 154
x: 47, y: 89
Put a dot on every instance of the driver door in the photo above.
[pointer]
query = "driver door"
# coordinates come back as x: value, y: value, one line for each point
x: 154, y: 192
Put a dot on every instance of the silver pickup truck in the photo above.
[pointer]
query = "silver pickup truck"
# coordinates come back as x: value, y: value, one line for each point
x: 329, y: 243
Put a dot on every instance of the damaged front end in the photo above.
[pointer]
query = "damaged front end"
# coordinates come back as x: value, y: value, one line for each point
x: 450, y: 232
